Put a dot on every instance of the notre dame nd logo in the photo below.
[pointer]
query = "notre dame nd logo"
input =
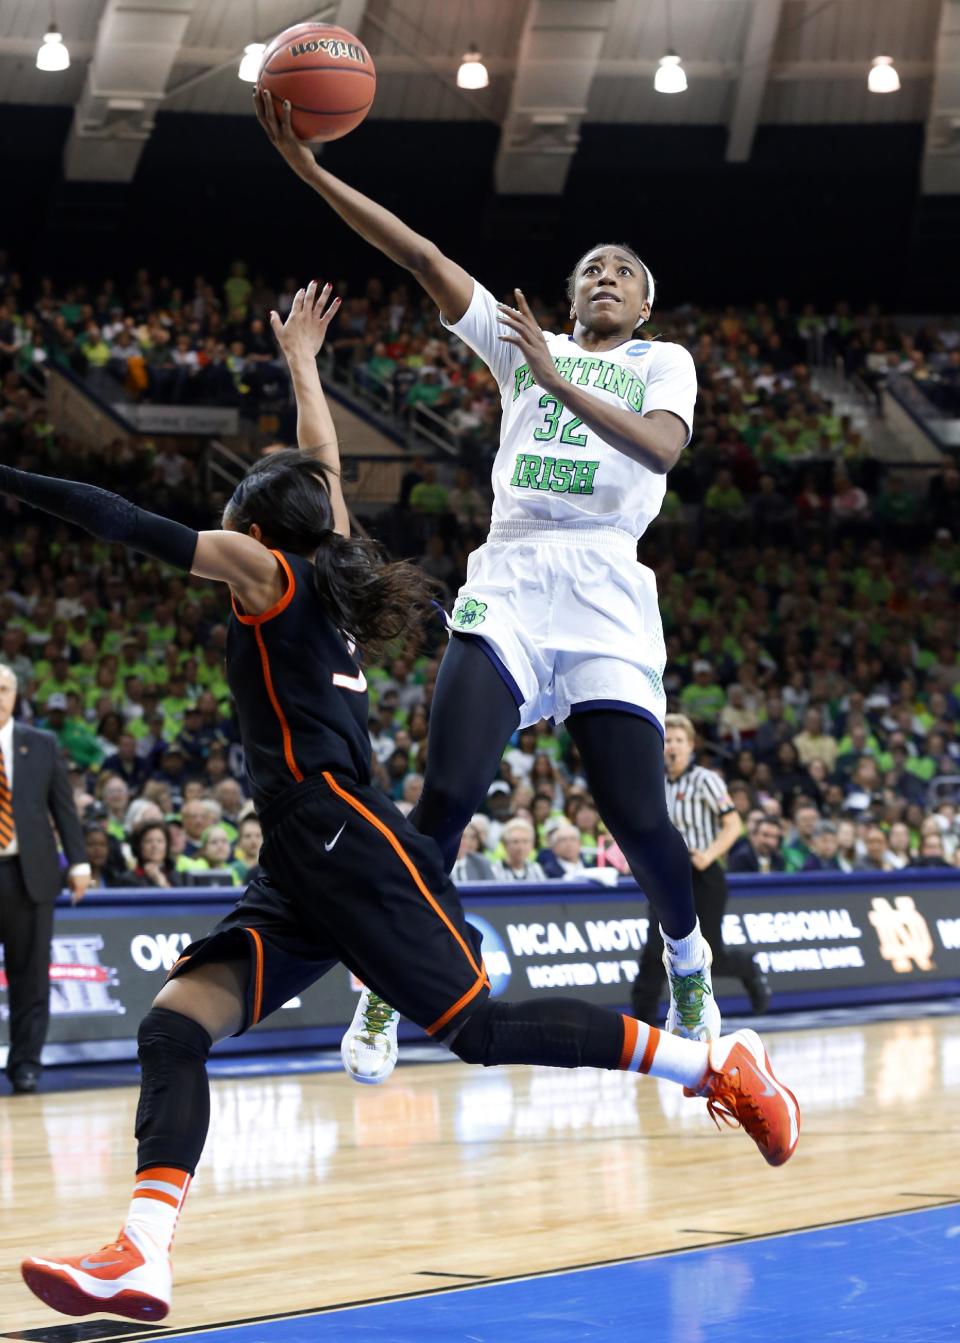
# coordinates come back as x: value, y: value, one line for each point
x: 468, y: 612
x: 905, y: 939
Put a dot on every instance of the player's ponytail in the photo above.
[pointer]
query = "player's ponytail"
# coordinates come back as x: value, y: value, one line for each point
x: 371, y: 600
x: 368, y: 598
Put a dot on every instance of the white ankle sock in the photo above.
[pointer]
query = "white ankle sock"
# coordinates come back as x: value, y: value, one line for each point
x: 687, y: 954
x: 649, y: 1050
x: 158, y: 1196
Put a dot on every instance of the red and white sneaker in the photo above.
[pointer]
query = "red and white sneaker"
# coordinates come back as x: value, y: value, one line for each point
x: 129, y: 1277
x: 741, y: 1089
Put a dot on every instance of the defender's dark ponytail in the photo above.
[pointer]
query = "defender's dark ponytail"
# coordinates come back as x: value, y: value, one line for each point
x: 365, y: 596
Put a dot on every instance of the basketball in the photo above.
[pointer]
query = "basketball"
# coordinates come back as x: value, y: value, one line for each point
x: 325, y: 73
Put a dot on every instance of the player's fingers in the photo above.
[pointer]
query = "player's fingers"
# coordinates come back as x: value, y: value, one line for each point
x: 517, y: 319
x: 522, y: 303
x: 275, y: 324
x: 514, y: 323
x: 268, y: 113
x: 511, y: 340
x: 321, y: 297
x: 287, y: 118
x: 331, y: 311
x: 298, y: 301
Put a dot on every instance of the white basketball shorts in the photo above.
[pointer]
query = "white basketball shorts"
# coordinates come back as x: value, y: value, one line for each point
x: 569, y: 618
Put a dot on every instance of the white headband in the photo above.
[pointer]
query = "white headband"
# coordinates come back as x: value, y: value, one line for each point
x: 651, y: 287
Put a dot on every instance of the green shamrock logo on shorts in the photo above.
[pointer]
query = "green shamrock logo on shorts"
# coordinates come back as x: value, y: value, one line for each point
x: 468, y: 612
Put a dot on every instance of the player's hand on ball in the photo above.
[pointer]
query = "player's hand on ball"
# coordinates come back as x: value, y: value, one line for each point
x: 305, y: 329
x: 281, y: 134
x: 528, y: 338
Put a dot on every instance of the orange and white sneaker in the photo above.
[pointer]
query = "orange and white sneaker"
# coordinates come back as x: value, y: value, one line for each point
x: 741, y: 1089
x: 130, y: 1277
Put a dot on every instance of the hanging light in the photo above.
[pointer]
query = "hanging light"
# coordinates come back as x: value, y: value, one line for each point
x: 670, y: 76
x: 883, y: 77
x: 53, y: 53
x: 472, y: 73
x: 250, y: 61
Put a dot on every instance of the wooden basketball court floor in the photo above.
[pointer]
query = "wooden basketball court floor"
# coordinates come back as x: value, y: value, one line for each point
x: 467, y: 1202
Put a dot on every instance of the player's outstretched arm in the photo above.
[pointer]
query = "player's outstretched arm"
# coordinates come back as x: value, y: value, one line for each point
x: 227, y: 557
x: 449, y: 285
x: 301, y: 338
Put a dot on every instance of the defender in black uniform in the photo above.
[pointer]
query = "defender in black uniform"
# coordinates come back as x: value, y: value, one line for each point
x: 348, y: 878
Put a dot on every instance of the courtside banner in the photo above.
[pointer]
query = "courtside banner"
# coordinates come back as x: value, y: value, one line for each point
x: 820, y: 941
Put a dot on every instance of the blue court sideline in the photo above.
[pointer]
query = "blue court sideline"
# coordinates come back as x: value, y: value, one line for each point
x: 893, y: 1278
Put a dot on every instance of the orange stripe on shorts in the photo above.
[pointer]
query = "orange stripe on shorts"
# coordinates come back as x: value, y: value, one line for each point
x: 257, y: 975
x: 421, y: 885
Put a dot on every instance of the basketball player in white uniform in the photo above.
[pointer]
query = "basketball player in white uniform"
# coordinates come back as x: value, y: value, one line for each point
x: 556, y: 618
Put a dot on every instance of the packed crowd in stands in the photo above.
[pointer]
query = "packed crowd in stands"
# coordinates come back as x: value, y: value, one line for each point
x: 809, y: 600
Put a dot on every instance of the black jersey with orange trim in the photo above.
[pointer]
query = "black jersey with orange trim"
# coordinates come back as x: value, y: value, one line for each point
x: 301, y: 698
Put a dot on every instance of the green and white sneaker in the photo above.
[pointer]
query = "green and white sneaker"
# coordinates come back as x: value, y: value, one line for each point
x: 694, y: 1013
x: 369, y: 1049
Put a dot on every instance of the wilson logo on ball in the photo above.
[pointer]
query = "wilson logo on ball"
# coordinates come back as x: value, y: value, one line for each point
x: 331, y: 47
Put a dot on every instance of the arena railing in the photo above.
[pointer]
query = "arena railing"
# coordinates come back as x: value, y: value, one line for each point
x: 941, y: 430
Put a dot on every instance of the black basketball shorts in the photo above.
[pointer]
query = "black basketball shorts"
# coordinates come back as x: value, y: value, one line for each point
x: 350, y: 880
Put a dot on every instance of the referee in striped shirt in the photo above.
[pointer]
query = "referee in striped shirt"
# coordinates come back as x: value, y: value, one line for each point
x: 701, y: 809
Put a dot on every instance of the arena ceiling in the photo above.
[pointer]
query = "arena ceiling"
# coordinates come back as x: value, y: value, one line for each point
x: 553, y: 64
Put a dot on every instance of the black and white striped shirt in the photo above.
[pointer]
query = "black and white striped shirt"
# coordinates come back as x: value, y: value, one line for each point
x: 696, y: 800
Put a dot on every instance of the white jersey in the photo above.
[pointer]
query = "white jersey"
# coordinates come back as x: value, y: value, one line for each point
x: 550, y: 466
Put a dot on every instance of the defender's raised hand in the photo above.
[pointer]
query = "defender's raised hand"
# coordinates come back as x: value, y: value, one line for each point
x: 305, y: 329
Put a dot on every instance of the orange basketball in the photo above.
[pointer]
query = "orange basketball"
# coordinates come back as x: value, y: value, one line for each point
x: 325, y: 74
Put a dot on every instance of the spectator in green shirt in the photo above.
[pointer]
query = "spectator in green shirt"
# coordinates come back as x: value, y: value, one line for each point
x: 236, y: 288
x: 724, y: 498
x: 800, y: 849
x: 428, y: 390
x: 703, y: 698
x: 429, y: 496
x: 925, y: 765
x: 58, y: 681
x: 72, y: 734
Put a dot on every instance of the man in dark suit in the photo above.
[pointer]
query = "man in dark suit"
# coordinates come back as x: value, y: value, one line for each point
x: 761, y: 853
x: 33, y: 784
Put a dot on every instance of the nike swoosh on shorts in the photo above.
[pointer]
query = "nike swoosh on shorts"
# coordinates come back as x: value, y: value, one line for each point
x: 333, y: 841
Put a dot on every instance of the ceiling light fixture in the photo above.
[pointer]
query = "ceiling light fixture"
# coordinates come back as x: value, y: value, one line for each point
x: 883, y: 77
x: 671, y: 76
x: 472, y: 73
x: 53, y: 54
x: 250, y: 61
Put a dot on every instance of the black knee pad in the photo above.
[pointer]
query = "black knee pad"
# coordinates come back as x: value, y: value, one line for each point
x: 472, y: 1041
x: 174, y: 1109
x: 172, y: 1033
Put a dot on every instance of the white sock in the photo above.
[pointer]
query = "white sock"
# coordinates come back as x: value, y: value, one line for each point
x: 687, y: 954
x: 649, y: 1050
x: 158, y: 1196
